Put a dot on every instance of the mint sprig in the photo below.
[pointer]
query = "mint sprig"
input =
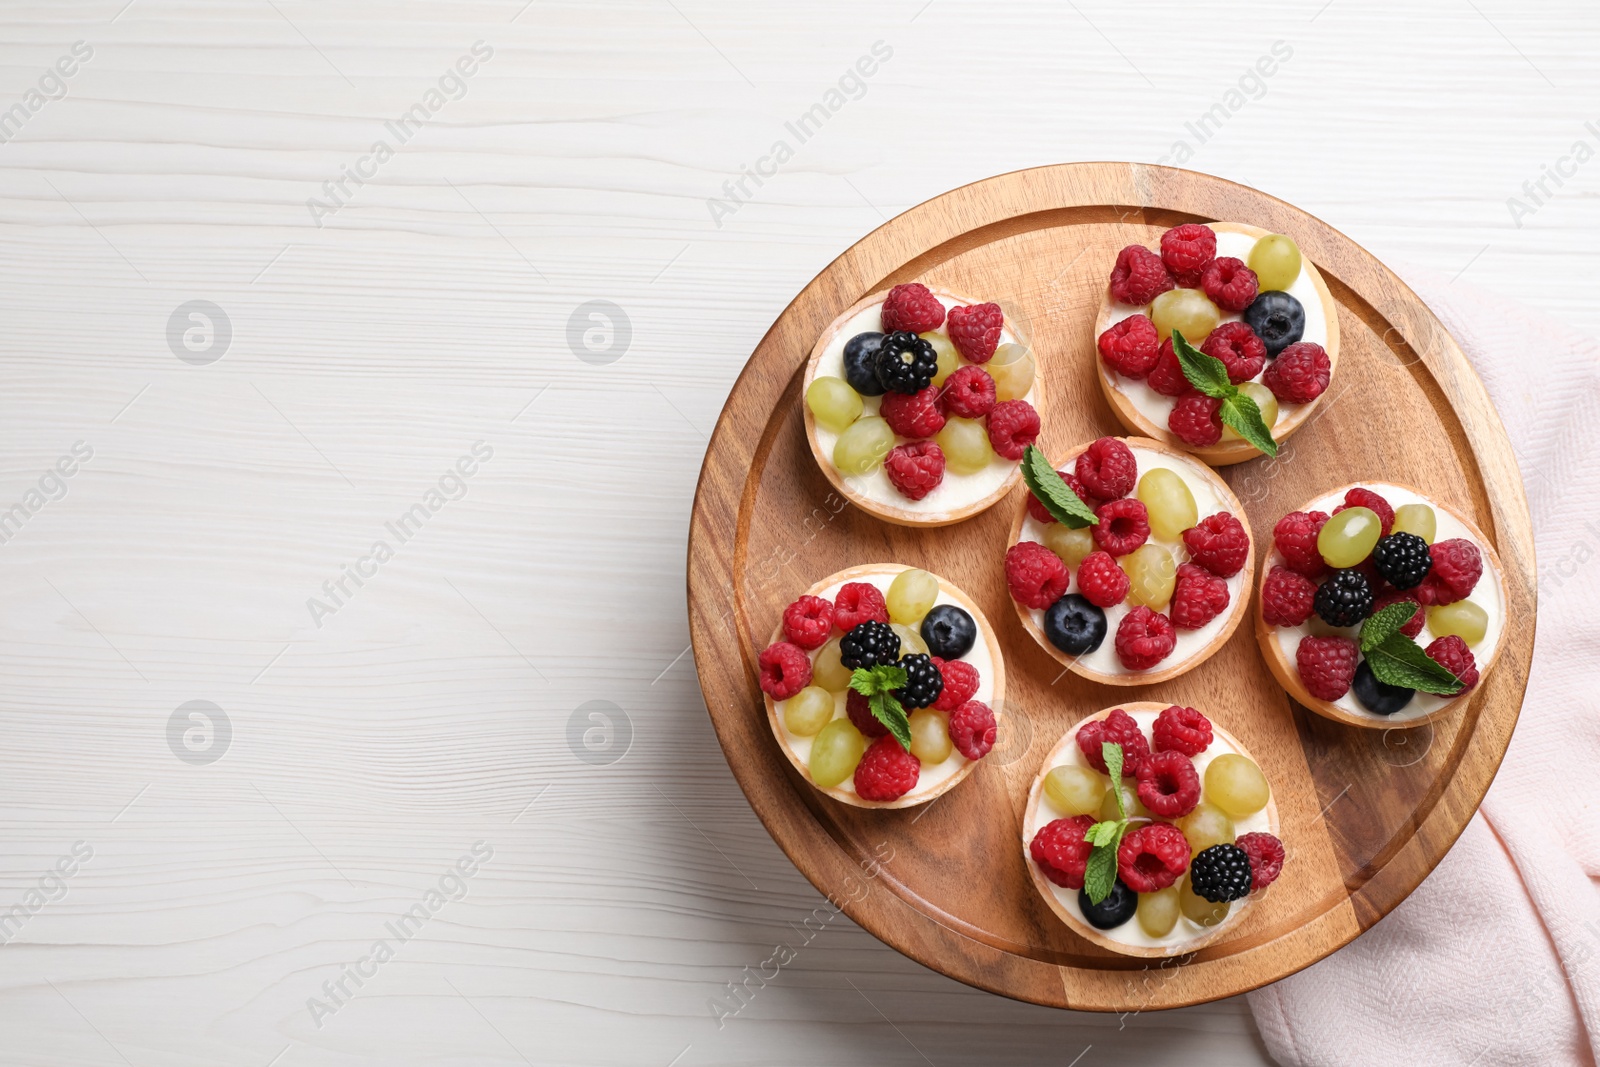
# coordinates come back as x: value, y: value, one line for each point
x: 1237, y: 411
x: 1381, y: 624
x: 1065, y: 506
x: 1396, y: 659
x: 1100, y: 875
x: 878, y: 685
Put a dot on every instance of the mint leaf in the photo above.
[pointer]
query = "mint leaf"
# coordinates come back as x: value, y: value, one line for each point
x: 1100, y: 875
x: 1112, y: 754
x: 1065, y: 506
x: 1398, y: 660
x: 1244, y: 415
x: 884, y: 678
x: 1102, y: 833
x: 1381, y: 624
x: 887, y: 709
x: 1206, y: 373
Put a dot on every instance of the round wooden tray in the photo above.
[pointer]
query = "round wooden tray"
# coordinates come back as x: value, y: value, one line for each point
x: 1370, y: 812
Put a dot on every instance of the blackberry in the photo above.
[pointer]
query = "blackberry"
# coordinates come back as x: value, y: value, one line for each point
x: 1345, y: 599
x: 1380, y: 698
x: 949, y: 631
x: 869, y: 644
x: 906, y: 363
x: 924, y: 683
x: 1074, y: 625
x: 1220, y: 874
x: 1277, y: 318
x: 860, y: 363
x: 1403, y: 560
x: 1117, y: 908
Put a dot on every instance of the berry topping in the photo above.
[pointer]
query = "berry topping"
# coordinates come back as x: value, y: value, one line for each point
x: 1123, y: 526
x: 1117, y: 908
x: 1287, y: 598
x: 1061, y: 850
x: 913, y: 414
x: 855, y: 603
x: 1240, y: 350
x: 1153, y: 857
x: 1118, y: 728
x: 969, y: 393
x: 1453, y: 655
x: 924, y: 683
x: 1037, y: 509
x: 1326, y: 665
x: 1195, y: 420
x: 906, y: 363
x: 886, y: 771
x: 1139, y: 276
x: 1198, y: 597
x: 1230, y: 284
x: 975, y: 331
x: 868, y: 645
x: 1035, y: 575
x: 912, y: 308
x: 1457, y: 566
x: 1101, y: 580
x: 1130, y: 346
x: 1413, y: 627
x: 1402, y: 559
x: 1220, y: 874
x: 1295, y: 537
x: 1186, y: 250
x: 861, y: 363
x: 960, y: 683
x: 1166, y: 374
x: 1180, y: 729
x: 808, y: 622
x: 1074, y: 625
x: 916, y: 469
x: 1144, y: 639
x: 1218, y: 543
x: 1107, y: 469
x: 859, y: 709
x: 1366, y: 498
x: 1300, y: 374
x: 785, y: 670
x: 1013, y: 426
x: 1344, y: 599
x: 1169, y: 786
x: 972, y: 729
x: 1266, y: 857
x: 1378, y: 697
x: 948, y: 631
x: 1277, y: 318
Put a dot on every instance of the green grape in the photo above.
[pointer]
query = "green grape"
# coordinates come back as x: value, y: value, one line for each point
x: 1188, y: 311
x: 1205, y: 826
x: 827, y: 670
x: 1464, y: 619
x: 1416, y: 519
x: 1236, y: 785
x: 1276, y: 261
x: 835, y: 753
x: 910, y: 596
x: 1264, y: 400
x: 965, y: 444
x: 930, y: 736
x: 1347, y: 538
x: 808, y: 710
x: 1012, y: 369
x: 1130, y: 799
x: 1075, y: 790
x: 1197, y: 909
x: 1165, y: 495
x: 1073, y: 546
x: 1152, y: 575
x: 946, y: 352
x: 911, y: 642
x: 834, y: 403
x: 861, y: 448
x: 1158, y: 911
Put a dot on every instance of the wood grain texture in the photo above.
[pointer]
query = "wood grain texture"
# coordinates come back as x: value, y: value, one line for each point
x: 1039, y: 238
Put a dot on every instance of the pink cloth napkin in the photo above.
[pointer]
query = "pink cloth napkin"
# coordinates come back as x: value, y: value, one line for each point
x: 1495, y: 959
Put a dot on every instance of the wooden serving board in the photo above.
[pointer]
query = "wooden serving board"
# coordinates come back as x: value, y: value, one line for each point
x: 1366, y: 814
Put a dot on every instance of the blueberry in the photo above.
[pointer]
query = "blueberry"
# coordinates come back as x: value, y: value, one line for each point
x: 1074, y: 625
x: 948, y: 631
x: 860, y: 363
x: 1380, y: 698
x: 1117, y: 908
x: 1277, y: 318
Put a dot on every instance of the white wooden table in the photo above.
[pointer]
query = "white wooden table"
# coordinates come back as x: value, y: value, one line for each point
x: 268, y: 877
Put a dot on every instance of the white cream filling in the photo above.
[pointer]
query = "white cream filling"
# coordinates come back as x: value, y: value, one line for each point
x: 956, y: 491
x: 1487, y: 594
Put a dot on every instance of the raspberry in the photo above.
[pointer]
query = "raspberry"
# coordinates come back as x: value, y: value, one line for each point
x: 1230, y: 284
x: 916, y: 469
x: 1130, y: 347
x: 1186, y: 251
x: 975, y: 331
x: 785, y: 670
x: 969, y: 393
x: 1287, y: 597
x: 1061, y: 850
x: 1153, y: 857
x: 1123, y: 526
x: 913, y: 414
x: 886, y: 771
x: 808, y: 622
x: 1395, y: 596
x: 855, y: 603
x: 1453, y: 655
x: 1195, y: 420
x: 1218, y: 543
x: 1198, y: 597
x: 1139, y: 276
x: 960, y: 683
x: 1295, y: 537
x: 1168, y: 784
x: 1457, y: 566
x: 1037, y: 509
x: 1144, y: 638
x: 1240, y: 350
x: 1327, y: 665
x: 1107, y: 469
x: 860, y: 711
x: 1167, y: 377
x: 1266, y: 858
x: 1101, y: 580
x: 1366, y: 498
x: 912, y: 308
x: 1013, y: 426
x: 1180, y: 729
x: 972, y: 729
x: 1035, y: 575
x: 1119, y: 729
x: 1300, y: 374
